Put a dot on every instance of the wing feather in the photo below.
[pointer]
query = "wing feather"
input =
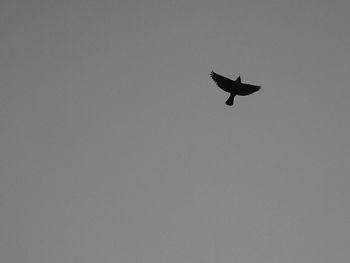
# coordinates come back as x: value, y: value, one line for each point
x: 224, y: 83
x: 251, y: 87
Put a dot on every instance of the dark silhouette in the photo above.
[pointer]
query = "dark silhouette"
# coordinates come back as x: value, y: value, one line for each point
x: 234, y: 87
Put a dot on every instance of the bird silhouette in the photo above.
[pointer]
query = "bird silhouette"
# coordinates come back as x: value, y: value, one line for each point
x: 234, y: 87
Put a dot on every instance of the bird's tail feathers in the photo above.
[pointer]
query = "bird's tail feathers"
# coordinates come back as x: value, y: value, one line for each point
x: 229, y: 101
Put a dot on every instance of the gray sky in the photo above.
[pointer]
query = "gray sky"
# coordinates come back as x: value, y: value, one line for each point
x: 116, y: 146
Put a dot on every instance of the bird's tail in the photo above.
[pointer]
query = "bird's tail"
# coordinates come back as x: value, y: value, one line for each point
x: 230, y: 100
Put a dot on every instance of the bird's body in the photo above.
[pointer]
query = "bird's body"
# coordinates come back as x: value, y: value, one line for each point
x: 234, y: 87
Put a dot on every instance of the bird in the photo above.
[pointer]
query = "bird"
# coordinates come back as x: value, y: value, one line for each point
x: 234, y: 87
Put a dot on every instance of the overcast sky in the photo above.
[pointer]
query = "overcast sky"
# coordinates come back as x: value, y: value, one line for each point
x: 117, y: 146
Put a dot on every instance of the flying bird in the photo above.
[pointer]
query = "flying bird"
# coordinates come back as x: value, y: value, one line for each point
x: 234, y: 87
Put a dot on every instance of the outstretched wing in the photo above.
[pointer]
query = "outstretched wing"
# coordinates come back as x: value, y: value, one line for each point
x: 249, y: 89
x: 224, y: 83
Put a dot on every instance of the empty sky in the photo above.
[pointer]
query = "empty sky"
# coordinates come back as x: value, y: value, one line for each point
x: 116, y: 146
